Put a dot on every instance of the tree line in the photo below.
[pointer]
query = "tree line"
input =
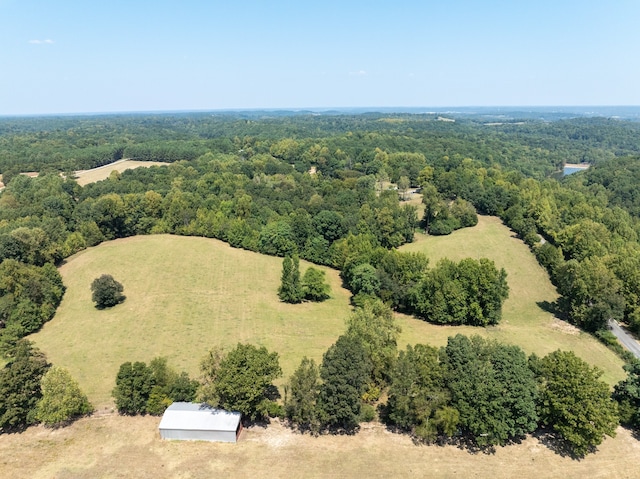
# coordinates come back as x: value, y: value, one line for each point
x: 255, y: 189
x: 476, y: 392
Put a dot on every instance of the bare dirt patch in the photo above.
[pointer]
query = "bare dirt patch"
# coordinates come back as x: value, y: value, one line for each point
x: 564, y: 327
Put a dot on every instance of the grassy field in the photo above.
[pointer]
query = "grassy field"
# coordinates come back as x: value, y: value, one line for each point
x: 184, y: 296
x: 524, y: 321
x: 130, y: 447
x: 84, y: 177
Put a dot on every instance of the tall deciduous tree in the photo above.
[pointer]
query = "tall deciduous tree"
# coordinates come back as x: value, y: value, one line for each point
x: 574, y: 402
x: 492, y: 387
x: 374, y: 326
x: 168, y: 386
x: 29, y: 296
x: 469, y: 292
x: 209, y: 369
x: 403, y: 186
x: 313, y: 285
x: 363, y: 279
x: 418, y: 395
x: 591, y: 293
x: 106, y: 291
x: 62, y: 399
x: 244, y: 380
x: 627, y: 394
x: 302, y: 394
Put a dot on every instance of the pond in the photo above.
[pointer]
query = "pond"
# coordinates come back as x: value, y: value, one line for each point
x: 573, y: 168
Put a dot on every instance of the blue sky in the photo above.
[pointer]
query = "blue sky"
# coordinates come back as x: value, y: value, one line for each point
x: 71, y: 56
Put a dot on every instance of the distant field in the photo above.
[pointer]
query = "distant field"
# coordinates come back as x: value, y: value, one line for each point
x: 84, y: 177
x: 524, y: 321
x: 184, y: 296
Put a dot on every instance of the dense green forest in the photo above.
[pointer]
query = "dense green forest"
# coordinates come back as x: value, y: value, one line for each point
x: 318, y: 187
x: 333, y: 142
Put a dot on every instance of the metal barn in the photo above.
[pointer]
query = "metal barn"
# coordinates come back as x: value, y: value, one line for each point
x: 199, y: 422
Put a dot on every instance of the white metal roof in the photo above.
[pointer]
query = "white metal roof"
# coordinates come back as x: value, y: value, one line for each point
x: 198, y: 417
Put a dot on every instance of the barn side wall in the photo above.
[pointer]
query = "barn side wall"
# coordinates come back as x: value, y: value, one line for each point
x: 185, y: 435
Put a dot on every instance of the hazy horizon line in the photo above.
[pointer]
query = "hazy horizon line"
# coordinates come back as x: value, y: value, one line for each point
x: 360, y: 109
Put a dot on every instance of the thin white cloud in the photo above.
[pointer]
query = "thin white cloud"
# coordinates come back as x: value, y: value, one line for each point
x: 359, y: 73
x: 48, y: 41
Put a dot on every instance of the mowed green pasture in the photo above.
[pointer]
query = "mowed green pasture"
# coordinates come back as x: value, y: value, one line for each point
x: 524, y: 321
x: 185, y: 295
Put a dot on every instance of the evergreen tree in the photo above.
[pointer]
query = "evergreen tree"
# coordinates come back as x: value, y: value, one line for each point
x: 290, y: 290
x: 295, y: 279
x: 134, y: 383
x: 345, y: 372
x: 302, y: 394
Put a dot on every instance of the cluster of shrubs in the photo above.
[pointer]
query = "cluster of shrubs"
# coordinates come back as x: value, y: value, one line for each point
x: 150, y: 389
x: 466, y: 292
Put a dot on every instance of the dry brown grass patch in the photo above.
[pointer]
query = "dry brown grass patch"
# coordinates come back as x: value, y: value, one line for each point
x: 84, y: 177
x: 114, y: 446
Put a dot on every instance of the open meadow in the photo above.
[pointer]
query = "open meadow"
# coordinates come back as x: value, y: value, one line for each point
x: 525, y: 321
x: 185, y: 295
